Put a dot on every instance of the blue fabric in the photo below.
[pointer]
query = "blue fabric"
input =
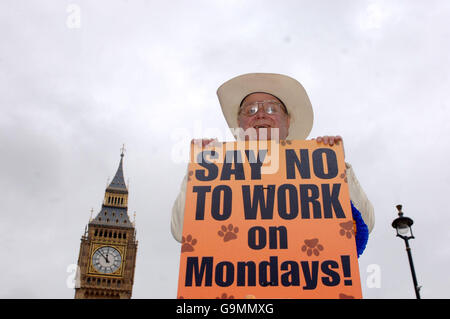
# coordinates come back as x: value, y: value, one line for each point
x: 362, y: 232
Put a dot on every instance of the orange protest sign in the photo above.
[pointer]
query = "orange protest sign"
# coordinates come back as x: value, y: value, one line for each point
x: 268, y: 220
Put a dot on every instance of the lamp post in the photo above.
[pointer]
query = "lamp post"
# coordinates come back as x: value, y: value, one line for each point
x: 403, y: 226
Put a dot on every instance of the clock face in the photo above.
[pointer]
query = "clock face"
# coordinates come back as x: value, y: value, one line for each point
x: 106, y: 259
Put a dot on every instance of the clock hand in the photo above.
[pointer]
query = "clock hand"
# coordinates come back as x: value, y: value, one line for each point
x: 104, y: 256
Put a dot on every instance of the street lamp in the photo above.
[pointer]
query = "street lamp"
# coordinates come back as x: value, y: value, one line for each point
x: 403, y: 226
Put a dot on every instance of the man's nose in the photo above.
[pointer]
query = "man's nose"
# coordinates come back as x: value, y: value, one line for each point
x: 261, y: 112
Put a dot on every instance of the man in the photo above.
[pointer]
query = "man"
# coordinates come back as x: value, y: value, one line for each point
x: 262, y: 104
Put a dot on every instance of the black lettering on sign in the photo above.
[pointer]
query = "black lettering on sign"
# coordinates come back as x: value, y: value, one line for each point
x: 333, y: 278
x: 292, y: 275
x: 293, y: 163
x: 233, y: 158
x: 309, y: 194
x: 268, y: 272
x: 201, y: 194
x: 257, y: 237
x: 331, y: 201
x: 216, y: 213
x: 330, y: 160
x: 246, y: 270
x: 212, y: 168
x: 324, y: 162
x: 224, y: 275
x: 278, y: 237
x: 200, y: 273
x: 256, y: 163
x: 310, y: 274
x: 346, y: 270
x: 259, y: 201
x: 290, y: 191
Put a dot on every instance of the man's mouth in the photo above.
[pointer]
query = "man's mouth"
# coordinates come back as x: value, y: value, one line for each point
x: 261, y: 126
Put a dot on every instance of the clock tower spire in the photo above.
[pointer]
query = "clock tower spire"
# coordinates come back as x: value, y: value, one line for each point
x: 108, y: 249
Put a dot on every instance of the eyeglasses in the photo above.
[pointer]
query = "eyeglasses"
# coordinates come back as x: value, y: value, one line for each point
x: 269, y: 106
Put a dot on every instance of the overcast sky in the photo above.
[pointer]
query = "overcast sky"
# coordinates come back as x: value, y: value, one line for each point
x: 80, y: 78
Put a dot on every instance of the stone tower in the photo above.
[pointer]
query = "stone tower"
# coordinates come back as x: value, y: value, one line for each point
x: 108, y: 248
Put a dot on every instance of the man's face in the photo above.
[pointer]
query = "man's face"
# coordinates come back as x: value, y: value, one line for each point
x: 261, y: 119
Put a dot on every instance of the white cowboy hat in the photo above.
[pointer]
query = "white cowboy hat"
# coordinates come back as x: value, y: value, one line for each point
x: 286, y: 89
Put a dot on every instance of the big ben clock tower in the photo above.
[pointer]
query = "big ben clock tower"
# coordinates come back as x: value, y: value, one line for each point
x: 108, y: 248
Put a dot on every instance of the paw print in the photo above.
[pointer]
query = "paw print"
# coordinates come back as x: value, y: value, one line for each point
x: 312, y: 246
x: 228, y: 233
x: 225, y: 296
x: 347, y: 229
x: 188, y: 243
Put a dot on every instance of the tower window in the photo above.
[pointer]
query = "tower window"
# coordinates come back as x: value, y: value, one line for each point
x: 120, y: 235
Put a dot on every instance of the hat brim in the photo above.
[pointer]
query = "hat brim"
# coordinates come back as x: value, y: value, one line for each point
x: 287, y: 89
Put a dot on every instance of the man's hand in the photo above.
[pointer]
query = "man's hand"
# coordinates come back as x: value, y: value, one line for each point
x: 204, y: 142
x: 331, y: 140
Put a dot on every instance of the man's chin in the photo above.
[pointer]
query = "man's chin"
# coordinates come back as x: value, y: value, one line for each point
x: 267, y: 133
x: 261, y: 133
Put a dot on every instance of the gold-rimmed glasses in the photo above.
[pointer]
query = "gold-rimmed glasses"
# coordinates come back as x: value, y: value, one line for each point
x: 270, y: 107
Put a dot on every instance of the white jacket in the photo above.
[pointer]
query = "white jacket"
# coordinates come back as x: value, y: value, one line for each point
x: 357, y: 196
